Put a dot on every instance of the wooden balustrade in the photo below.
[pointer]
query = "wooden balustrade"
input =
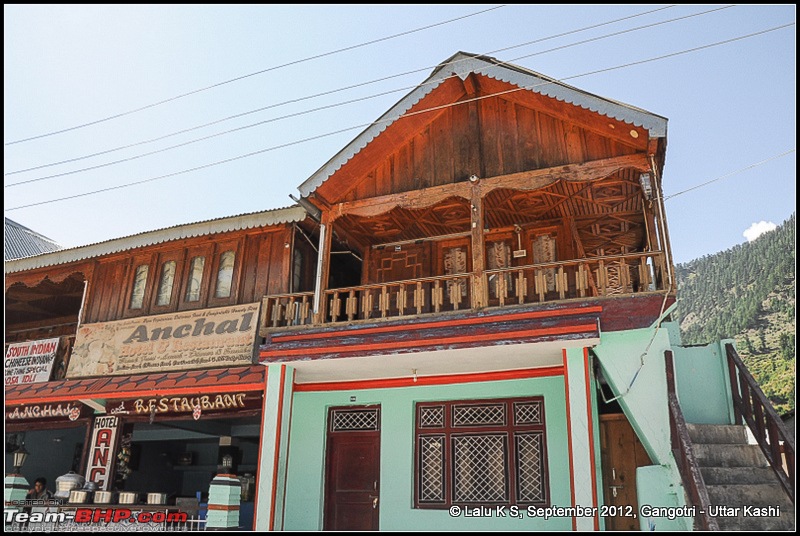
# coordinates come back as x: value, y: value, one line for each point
x: 579, y: 278
x: 752, y: 406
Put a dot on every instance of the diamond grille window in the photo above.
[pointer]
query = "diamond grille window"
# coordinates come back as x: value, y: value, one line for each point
x: 479, y: 469
x: 345, y: 420
x: 481, y: 452
x: 527, y: 413
x: 483, y: 415
x: 431, y: 476
x: 530, y: 467
x: 431, y: 417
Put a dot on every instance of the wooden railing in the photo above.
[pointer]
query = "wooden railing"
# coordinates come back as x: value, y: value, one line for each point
x: 579, y: 278
x: 401, y: 298
x: 750, y: 404
x: 684, y: 455
x: 595, y: 276
x: 280, y: 310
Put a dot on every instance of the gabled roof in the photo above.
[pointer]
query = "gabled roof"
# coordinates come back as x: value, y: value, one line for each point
x: 277, y: 216
x: 462, y: 64
x: 19, y: 241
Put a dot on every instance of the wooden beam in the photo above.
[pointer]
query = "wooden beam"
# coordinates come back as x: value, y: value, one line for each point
x: 524, y: 180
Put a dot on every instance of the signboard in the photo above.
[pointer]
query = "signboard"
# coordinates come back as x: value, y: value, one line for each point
x: 224, y: 336
x: 30, y: 362
x: 194, y: 405
x: 101, y: 453
x: 61, y: 411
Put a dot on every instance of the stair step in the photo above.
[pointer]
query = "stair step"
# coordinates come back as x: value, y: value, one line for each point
x: 757, y: 495
x: 738, y: 475
x: 722, y: 455
x: 718, y: 433
x: 757, y: 523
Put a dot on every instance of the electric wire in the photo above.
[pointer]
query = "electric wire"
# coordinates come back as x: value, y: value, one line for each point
x: 276, y: 67
x: 392, y: 119
x: 337, y: 90
x: 312, y: 110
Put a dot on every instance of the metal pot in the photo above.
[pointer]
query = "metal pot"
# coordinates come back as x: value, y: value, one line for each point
x: 128, y: 497
x: 90, y: 486
x: 156, y: 498
x: 68, y: 482
x: 103, y: 497
x: 78, y: 496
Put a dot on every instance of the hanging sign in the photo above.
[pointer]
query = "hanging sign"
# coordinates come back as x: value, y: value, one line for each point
x: 30, y: 362
x: 101, y: 453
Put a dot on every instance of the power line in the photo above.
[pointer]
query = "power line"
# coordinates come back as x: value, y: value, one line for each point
x: 296, y: 114
x: 751, y: 166
x: 274, y: 68
x: 344, y: 88
x: 390, y: 120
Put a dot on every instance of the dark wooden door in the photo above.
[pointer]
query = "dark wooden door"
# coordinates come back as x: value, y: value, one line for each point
x: 622, y: 453
x: 352, y: 469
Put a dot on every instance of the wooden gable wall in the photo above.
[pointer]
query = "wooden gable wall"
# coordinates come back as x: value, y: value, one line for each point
x: 485, y: 135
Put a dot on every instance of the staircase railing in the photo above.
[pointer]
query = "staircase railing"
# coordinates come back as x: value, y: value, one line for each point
x: 684, y: 455
x: 751, y: 405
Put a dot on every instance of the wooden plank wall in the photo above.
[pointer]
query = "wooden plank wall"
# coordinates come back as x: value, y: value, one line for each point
x: 490, y: 137
x: 262, y: 267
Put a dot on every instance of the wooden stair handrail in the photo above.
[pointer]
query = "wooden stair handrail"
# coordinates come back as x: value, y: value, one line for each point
x: 684, y: 454
x: 751, y: 405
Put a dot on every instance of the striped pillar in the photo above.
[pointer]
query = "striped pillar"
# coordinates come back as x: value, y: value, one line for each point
x: 16, y: 489
x: 583, y: 453
x: 224, y: 499
x: 275, y: 427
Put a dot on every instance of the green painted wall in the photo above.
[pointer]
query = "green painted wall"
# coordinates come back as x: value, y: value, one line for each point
x: 304, y: 491
x: 633, y: 364
x: 701, y: 379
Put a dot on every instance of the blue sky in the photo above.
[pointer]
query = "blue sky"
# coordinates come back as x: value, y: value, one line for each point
x: 729, y: 106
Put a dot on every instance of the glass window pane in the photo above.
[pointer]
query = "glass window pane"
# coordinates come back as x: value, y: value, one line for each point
x: 165, y: 287
x: 195, y: 279
x: 225, y: 274
x: 139, y: 284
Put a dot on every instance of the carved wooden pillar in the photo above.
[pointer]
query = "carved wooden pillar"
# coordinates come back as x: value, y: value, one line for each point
x: 323, y: 268
x: 478, y: 248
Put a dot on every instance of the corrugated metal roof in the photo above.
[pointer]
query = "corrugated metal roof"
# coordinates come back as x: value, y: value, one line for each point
x: 464, y: 63
x: 19, y: 241
x: 291, y: 214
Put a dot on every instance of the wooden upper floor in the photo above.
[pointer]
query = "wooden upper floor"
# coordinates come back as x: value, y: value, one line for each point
x: 487, y: 186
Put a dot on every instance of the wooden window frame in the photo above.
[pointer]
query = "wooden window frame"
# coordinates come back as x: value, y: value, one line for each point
x: 200, y: 251
x: 135, y: 262
x: 449, y: 431
x: 177, y: 283
x: 219, y: 249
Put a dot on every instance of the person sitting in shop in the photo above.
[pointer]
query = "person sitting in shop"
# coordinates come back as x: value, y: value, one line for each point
x: 39, y: 490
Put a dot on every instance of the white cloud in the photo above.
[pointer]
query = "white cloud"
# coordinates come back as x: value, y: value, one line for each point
x: 757, y: 229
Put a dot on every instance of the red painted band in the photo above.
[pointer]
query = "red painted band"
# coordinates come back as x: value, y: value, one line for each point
x: 281, y: 337
x: 432, y: 380
x: 582, y: 328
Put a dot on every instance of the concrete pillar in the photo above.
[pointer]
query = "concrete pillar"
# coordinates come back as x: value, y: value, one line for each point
x: 15, y: 489
x: 276, y: 420
x: 224, y: 500
x: 586, y: 484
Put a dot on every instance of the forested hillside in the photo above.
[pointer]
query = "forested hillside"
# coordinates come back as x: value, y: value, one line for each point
x: 747, y: 293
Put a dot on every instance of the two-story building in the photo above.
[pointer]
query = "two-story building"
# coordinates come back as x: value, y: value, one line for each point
x: 464, y: 324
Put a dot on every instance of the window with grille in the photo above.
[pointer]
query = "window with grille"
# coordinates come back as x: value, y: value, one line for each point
x: 481, y: 452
